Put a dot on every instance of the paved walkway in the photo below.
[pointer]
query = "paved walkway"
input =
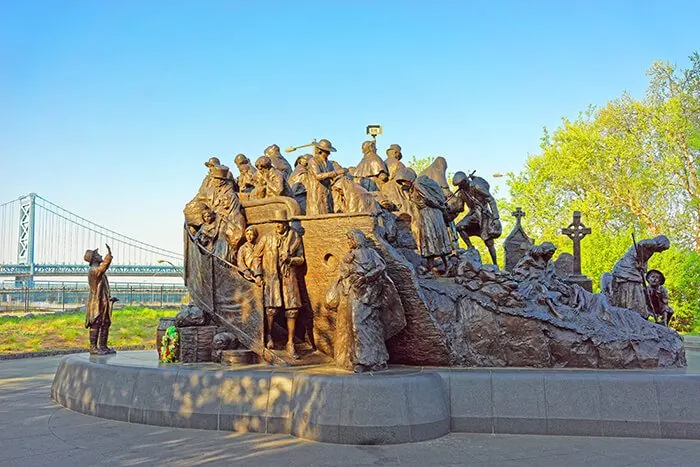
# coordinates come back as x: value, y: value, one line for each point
x: 34, y: 432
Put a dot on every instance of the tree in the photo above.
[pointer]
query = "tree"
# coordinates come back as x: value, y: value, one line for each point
x: 420, y: 164
x: 629, y: 166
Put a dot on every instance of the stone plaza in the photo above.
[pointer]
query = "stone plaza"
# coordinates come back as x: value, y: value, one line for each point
x: 36, y: 432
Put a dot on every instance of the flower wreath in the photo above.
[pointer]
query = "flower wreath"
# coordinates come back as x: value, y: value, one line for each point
x: 169, y: 344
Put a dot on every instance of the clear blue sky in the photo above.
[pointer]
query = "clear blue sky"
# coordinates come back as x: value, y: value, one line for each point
x: 109, y: 108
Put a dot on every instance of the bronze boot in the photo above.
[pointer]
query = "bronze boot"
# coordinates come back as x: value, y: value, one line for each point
x: 104, y: 334
x: 94, y: 332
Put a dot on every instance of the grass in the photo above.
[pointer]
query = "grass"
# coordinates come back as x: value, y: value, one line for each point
x: 130, y: 326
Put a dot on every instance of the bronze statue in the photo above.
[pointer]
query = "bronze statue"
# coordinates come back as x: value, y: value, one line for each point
x: 428, y: 222
x: 536, y: 263
x: 535, y: 271
x: 658, y: 296
x: 279, y: 255
x: 482, y: 220
x: 269, y: 182
x: 208, y: 234
x: 628, y: 275
x: 350, y: 197
x: 246, y: 257
x: 484, y: 317
x: 319, y: 199
x: 246, y: 177
x: 374, y: 317
x: 299, y: 179
x: 393, y: 196
x: 209, y: 178
x: 371, y: 171
x: 437, y: 171
x: 219, y: 196
x: 393, y: 158
x: 98, y: 311
x: 278, y: 161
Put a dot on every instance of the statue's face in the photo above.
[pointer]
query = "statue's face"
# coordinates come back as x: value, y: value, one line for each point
x: 208, y: 217
x: 281, y: 227
x: 654, y: 279
x: 352, y: 244
x: 250, y: 236
x: 97, y: 257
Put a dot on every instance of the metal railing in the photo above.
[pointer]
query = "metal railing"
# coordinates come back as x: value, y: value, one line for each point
x: 72, y: 296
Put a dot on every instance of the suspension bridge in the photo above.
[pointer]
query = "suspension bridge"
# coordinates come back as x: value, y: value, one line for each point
x: 40, y: 238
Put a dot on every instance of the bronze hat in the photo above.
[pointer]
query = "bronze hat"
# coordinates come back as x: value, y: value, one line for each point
x: 212, y: 162
x: 219, y: 171
x: 459, y: 177
x: 280, y: 216
x: 263, y: 162
x: 325, y: 145
x: 663, y: 278
x: 240, y: 159
x: 272, y: 149
x: 303, y: 158
x: 89, y: 254
x: 395, y: 147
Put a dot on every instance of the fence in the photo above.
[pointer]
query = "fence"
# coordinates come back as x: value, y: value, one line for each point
x: 70, y: 296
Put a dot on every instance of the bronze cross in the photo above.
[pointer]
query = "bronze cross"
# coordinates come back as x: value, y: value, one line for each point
x: 518, y: 213
x: 576, y: 231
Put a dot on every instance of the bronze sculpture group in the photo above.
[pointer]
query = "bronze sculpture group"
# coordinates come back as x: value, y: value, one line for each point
x: 416, y: 222
x: 320, y: 186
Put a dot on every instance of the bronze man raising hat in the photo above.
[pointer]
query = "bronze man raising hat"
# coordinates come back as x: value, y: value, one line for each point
x: 98, y: 312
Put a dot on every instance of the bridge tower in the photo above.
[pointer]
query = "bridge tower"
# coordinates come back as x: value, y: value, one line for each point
x: 25, y: 249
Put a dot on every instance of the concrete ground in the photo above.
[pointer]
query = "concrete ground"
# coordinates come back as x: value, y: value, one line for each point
x: 34, y: 432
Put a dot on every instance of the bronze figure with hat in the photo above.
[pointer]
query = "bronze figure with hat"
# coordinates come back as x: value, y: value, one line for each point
x: 269, y: 182
x: 98, y: 311
x: 212, y: 162
x: 278, y: 161
x: 319, y: 199
x: 279, y: 255
x: 658, y: 296
x: 247, y: 173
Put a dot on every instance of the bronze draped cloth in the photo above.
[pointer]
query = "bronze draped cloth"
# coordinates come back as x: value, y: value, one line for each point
x: 368, y: 171
x: 627, y: 288
x: 281, y: 284
x: 376, y: 313
x: 430, y: 228
x: 318, y: 192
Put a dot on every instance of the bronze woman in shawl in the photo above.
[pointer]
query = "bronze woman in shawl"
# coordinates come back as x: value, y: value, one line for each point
x: 375, y: 313
x: 428, y: 222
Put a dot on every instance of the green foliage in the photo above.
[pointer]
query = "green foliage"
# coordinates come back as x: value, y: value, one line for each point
x: 420, y: 164
x: 629, y: 166
x: 169, y: 344
x: 682, y: 271
x: 130, y: 326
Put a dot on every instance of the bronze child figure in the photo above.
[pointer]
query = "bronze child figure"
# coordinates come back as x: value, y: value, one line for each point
x: 98, y: 312
x: 658, y: 296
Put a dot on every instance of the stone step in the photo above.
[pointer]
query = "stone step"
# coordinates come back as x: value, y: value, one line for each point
x: 238, y: 357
